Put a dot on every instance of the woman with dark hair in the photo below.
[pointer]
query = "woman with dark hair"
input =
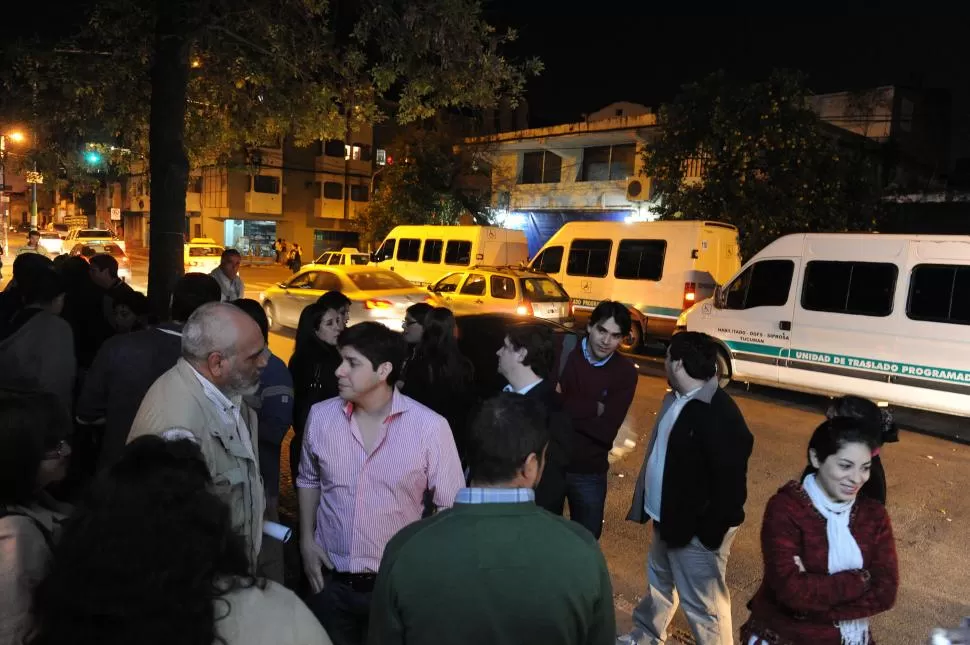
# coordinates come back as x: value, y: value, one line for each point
x: 413, y: 329
x: 439, y: 375
x: 829, y: 554
x: 880, y: 425
x: 313, y: 365
x: 153, y: 559
x: 33, y: 454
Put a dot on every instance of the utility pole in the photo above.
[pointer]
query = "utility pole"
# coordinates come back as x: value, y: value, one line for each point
x: 33, y: 200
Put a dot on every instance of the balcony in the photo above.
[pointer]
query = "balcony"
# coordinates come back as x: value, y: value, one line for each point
x: 264, y: 203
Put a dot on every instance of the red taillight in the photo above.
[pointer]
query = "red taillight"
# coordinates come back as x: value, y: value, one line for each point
x: 690, y: 294
x: 377, y: 303
x: 525, y: 309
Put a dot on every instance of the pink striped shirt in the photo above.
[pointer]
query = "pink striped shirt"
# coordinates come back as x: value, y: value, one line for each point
x: 366, y: 499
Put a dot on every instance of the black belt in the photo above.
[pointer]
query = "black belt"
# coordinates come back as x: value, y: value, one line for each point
x: 363, y: 582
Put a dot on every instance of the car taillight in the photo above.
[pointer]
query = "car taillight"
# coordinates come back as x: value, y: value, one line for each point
x: 690, y: 294
x: 525, y: 309
x: 377, y: 303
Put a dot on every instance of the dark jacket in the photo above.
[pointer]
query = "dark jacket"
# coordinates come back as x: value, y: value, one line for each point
x: 549, y: 492
x: 313, y: 380
x: 123, y: 371
x: 453, y: 400
x: 705, y: 472
x: 793, y: 607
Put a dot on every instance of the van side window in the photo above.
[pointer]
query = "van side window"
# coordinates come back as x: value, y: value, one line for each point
x: 763, y: 284
x: 502, y: 287
x: 940, y: 293
x: 432, y: 251
x: 549, y: 261
x: 640, y: 259
x: 386, y: 252
x: 458, y: 253
x: 409, y: 249
x: 855, y: 288
x: 589, y: 258
x: 474, y: 285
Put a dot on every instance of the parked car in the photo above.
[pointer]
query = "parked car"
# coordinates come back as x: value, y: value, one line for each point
x: 89, y: 249
x: 376, y: 294
x: 202, y: 255
x: 504, y: 289
x: 51, y: 242
x: 85, y: 235
x: 344, y: 257
x: 481, y: 335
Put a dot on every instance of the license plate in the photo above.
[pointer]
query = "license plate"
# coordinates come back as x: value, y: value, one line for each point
x: 552, y: 310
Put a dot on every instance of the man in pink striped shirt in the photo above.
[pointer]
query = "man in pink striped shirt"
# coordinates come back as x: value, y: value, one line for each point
x: 369, y: 457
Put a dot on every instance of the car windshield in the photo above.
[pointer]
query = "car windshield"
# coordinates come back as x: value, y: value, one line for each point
x: 361, y: 259
x: 94, y: 232
x: 204, y: 251
x: 543, y: 290
x: 378, y: 281
x: 50, y: 236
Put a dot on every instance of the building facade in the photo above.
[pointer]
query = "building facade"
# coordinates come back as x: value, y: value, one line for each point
x: 308, y: 195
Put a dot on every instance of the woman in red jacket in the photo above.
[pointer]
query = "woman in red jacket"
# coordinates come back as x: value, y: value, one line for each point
x: 829, y: 555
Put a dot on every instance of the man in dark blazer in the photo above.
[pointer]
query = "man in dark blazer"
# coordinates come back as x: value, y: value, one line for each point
x: 526, y: 360
x: 693, y: 485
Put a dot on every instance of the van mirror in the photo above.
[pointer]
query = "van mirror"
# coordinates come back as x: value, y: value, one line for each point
x: 718, y: 297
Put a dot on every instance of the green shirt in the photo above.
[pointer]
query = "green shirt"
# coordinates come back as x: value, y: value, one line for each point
x: 493, y: 573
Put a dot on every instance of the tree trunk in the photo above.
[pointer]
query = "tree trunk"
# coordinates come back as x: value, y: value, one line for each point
x: 169, y: 165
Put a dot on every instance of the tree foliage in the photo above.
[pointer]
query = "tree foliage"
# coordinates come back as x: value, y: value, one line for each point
x: 426, y: 186
x: 769, y: 165
x: 182, y: 82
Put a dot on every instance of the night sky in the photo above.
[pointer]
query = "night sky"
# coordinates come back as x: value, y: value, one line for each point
x: 625, y: 52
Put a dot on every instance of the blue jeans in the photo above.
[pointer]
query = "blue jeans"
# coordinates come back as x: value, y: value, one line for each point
x: 586, y: 493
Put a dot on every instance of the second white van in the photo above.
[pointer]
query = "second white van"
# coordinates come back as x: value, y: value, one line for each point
x: 657, y: 269
x: 885, y: 317
x: 422, y: 254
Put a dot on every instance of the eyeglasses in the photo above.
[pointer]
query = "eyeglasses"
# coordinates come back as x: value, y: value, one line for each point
x: 62, y: 449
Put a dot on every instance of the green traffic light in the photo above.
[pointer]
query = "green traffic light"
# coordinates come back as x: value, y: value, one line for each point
x: 92, y: 157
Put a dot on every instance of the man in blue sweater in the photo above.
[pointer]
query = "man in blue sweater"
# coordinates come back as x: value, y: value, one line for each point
x: 273, y: 403
x: 495, y: 568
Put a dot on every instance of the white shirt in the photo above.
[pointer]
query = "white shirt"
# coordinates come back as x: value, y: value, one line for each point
x: 653, y: 478
x: 525, y: 390
x: 229, y: 410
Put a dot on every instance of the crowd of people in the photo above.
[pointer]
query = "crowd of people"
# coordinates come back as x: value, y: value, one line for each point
x: 140, y: 481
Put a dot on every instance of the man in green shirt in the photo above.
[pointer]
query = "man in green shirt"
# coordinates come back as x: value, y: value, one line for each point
x: 495, y: 568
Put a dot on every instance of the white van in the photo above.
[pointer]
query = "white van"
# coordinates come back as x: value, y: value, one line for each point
x: 657, y: 269
x: 886, y: 317
x: 422, y: 254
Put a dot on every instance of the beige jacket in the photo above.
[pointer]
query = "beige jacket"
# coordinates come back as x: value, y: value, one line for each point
x: 177, y: 400
x: 272, y: 615
x: 24, y: 558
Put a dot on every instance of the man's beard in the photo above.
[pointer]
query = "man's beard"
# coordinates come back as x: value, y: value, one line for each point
x: 240, y: 385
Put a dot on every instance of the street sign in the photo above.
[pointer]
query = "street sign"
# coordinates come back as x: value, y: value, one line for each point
x: 116, y: 214
x: 34, y: 177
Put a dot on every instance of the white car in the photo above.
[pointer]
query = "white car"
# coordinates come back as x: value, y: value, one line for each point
x: 87, y: 235
x: 51, y: 242
x: 344, y: 257
x: 202, y: 255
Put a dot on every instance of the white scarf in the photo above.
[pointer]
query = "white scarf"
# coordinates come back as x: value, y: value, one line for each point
x: 844, y: 553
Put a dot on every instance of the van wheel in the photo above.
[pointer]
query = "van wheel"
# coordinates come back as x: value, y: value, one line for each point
x: 632, y: 342
x: 723, y: 369
x: 270, y: 310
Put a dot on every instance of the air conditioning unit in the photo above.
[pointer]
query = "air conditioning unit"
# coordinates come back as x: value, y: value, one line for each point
x: 639, y: 189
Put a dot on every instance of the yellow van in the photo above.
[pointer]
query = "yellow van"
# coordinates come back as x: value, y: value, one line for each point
x: 422, y: 254
x: 658, y: 269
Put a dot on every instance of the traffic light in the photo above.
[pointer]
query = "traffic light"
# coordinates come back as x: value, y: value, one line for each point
x: 93, y: 157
